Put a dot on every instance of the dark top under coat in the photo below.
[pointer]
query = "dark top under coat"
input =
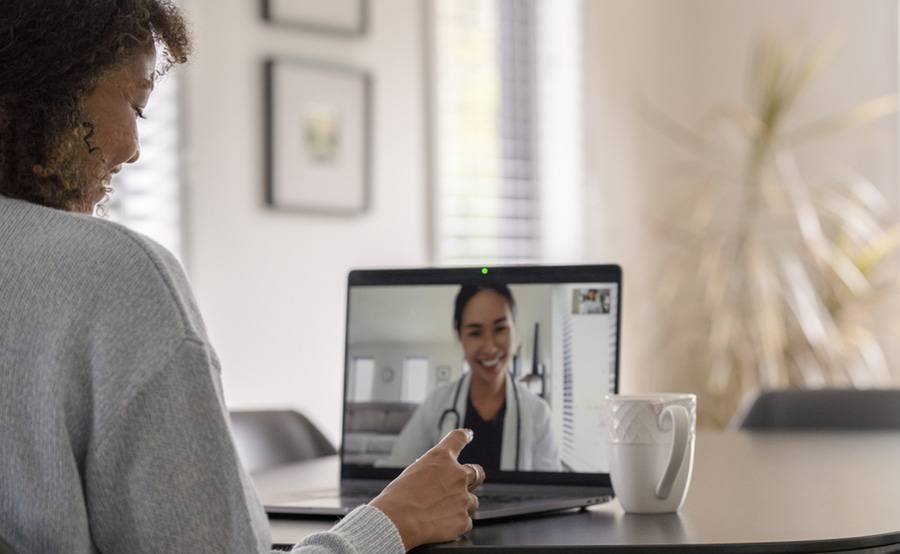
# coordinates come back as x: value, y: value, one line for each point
x: 487, y: 445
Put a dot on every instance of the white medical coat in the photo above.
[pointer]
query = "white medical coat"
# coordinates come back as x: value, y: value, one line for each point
x: 538, y: 452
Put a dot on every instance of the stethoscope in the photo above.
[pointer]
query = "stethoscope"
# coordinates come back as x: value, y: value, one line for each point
x: 453, y: 412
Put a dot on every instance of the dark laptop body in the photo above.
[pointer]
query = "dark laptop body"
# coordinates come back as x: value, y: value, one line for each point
x: 575, y: 295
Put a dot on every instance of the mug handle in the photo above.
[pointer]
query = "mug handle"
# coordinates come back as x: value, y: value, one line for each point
x: 681, y: 421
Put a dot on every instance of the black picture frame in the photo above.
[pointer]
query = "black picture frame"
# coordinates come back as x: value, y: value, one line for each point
x: 302, y: 16
x: 296, y: 178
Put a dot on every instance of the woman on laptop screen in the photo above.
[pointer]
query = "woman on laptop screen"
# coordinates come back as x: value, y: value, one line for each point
x: 512, y: 425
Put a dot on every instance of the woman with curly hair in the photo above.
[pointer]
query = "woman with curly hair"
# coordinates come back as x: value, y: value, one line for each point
x: 113, y: 426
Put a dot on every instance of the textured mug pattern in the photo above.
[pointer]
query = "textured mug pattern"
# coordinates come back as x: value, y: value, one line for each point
x: 633, y: 421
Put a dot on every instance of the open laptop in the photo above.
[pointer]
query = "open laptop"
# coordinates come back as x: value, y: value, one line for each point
x: 404, y: 359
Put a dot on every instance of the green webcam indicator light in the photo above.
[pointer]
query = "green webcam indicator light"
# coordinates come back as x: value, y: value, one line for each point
x: 484, y: 271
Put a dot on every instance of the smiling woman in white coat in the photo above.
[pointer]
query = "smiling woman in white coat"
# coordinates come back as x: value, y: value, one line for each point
x: 512, y: 425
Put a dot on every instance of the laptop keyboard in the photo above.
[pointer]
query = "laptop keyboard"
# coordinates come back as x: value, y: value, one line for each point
x: 359, y: 492
x: 492, y: 496
x: 360, y: 495
x: 366, y: 494
x: 508, y: 498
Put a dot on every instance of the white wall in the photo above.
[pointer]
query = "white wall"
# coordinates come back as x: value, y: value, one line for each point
x: 271, y: 285
x: 683, y: 57
x: 632, y: 49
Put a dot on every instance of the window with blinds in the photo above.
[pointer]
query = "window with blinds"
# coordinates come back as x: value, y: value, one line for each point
x: 148, y: 193
x: 483, y: 82
x: 506, y: 135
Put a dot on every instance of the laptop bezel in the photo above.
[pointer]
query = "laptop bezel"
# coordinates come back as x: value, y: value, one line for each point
x: 512, y: 275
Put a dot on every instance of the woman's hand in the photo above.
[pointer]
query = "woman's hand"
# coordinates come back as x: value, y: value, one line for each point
x: 432, y: 500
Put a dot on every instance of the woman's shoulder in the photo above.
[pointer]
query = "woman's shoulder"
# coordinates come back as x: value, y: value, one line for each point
x: 93, y: 257
x: 144, y: 262
x: 74, y: 238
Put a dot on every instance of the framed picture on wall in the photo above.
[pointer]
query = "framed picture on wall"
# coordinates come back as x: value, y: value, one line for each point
x: 317, y: 137
x: 346, y: 17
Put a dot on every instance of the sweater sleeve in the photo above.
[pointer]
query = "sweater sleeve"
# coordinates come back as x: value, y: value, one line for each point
x: 162, y: 474
x: 365, y: 529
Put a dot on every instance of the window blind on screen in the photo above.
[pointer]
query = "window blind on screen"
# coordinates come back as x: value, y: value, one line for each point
x: 486, y: 199
x: 147, y: 195
x: 568, y: 417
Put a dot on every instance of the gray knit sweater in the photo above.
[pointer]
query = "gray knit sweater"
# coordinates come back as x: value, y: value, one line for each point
x: 113, y: 429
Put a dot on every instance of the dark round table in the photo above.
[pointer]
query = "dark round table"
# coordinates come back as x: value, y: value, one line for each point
x: 751, y: 492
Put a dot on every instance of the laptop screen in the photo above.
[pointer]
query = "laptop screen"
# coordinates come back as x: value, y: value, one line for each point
x: 522, y: 355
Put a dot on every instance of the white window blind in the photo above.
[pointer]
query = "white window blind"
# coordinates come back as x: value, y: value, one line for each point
x: 148, y: 194
x: 506, y: 120
x: 486, y: 201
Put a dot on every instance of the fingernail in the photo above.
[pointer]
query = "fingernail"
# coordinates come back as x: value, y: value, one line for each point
x: 469, y: 434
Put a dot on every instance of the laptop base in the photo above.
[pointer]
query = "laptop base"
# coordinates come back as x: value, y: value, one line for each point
x: 496, y: 500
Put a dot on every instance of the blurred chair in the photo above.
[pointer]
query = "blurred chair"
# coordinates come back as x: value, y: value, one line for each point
x: 823, y: 409
x: 273, y: 437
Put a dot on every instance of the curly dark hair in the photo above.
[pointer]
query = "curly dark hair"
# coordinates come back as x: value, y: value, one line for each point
x: 52, y: 54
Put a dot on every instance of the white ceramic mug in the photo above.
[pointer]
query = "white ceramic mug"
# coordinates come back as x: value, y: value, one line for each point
x: 651, y: 445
